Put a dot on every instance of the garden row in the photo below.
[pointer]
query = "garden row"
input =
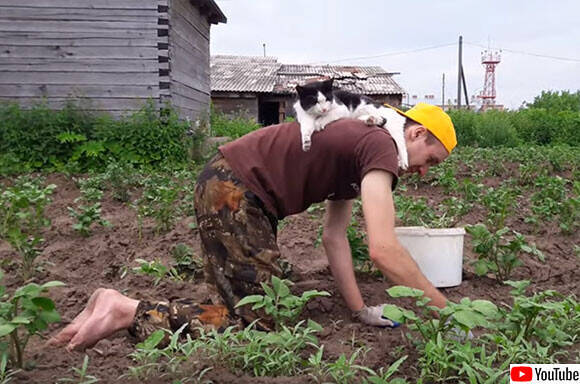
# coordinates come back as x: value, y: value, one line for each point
x: 490, y: 191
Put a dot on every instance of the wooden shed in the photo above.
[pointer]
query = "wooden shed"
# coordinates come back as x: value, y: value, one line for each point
x: 264, y: 89
x: 112, y: 54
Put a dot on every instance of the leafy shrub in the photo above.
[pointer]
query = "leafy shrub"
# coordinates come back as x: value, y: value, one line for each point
x: 494, y: 128
x: 464, y: 123
x: 42, y: 138
x: 555, y: 101
x: 31, y: 135
x: 231, y: 125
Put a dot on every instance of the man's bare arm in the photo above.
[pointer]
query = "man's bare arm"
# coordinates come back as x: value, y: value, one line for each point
x: 338, y: 251
x: 385, y: 251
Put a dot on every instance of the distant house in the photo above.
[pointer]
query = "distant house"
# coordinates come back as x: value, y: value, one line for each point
x: 113, y: 54
x: 264, y: 89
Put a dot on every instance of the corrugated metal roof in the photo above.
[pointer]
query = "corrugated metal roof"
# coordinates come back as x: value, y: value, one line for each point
x: 265, y: 74
x: 357, y: 79
x: 243, y: 73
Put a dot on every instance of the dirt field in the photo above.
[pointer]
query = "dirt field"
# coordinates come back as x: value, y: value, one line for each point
x: 85, y: 264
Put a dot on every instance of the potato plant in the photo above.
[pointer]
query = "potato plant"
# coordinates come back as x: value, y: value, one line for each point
x: 279, y: 303
x: 22, y: 219
x: 499, y: 252
x: 88, y: 211
x: 24, y: 314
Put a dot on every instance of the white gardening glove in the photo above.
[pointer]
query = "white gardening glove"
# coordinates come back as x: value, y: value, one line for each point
x: 374, y: 316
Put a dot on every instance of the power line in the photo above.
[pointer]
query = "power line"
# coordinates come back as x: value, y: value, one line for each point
x: 530, y: 53
x: 387, y: 54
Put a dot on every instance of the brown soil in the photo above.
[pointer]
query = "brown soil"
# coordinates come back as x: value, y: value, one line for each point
x: 85, y: 264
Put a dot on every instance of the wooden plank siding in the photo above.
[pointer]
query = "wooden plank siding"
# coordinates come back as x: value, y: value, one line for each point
x: 111, y: 55
x: 189, y: 52
x: 104, y: 52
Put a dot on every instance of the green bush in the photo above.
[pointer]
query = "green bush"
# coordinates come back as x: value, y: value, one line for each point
x: 233, y: 126
x: 31, y: 135
x: 41, y: 138
x: 494, y: 128
x: 555, y: 101
x: 463, y: 120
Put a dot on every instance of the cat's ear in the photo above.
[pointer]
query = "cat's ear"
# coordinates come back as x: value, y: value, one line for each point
x: 299, y: 89
x: 327, y: 85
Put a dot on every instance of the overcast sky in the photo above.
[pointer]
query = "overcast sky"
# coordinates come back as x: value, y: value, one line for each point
x: 325, y: 31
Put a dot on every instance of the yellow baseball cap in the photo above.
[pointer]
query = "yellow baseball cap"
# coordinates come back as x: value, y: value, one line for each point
x: 435, y: 120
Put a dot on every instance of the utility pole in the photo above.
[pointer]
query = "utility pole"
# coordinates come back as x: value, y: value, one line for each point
x: 264, y: 45
x: 443, y: 92
x: 459, y: 74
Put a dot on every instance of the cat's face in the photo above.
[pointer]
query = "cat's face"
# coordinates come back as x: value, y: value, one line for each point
x: 315, y: 98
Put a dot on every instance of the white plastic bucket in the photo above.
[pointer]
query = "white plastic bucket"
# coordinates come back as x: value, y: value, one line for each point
x: 437, y: 251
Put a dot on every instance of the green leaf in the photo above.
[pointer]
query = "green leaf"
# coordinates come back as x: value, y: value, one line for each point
x: 393, y: 368
x: 21, y: 320
x: 52, y: 284
x: 30, y: 290
x: 393, y: 312
x: 268, y: 290
x: 44, y: 303
x: 402, y: 291
x: 250, y: 300
x: 279, y: 287
x: 470, y: 319
x: 6, y: 329
x: 485, y: 307
x: 152, y: 341
x: 49, y: 316
x: 481, y: 268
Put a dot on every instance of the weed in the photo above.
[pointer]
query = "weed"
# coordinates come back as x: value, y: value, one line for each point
x: 156, y: 270
x: 6, y: 374
x: 83, y: 376
x: 185, y: 261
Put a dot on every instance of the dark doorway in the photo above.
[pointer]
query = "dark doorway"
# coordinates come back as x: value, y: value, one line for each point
x: 268, y: 113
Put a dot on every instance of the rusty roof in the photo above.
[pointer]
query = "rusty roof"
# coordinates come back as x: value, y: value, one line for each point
x: 265, y: 74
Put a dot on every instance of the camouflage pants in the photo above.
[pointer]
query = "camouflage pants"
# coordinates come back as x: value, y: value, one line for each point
x: 238, y: 237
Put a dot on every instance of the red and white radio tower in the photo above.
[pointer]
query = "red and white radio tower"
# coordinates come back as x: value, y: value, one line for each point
x: 490, y: 59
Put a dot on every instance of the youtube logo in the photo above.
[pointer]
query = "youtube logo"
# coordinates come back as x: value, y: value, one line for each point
x: 521, y: 373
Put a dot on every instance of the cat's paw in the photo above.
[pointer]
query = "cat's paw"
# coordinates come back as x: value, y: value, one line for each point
x: 375, y: 120
x: 403, y: 162
x: 306, y: 145
x: 319, y: 125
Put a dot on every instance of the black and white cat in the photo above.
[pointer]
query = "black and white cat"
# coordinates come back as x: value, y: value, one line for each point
x: 318, y: 105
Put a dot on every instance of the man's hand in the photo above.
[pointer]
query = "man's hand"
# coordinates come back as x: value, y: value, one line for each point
x: 374, y: 316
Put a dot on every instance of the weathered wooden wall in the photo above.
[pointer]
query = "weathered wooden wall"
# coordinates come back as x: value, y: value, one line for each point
x: 189, y: 33
x: 236, y: 104
x: 103, y: 50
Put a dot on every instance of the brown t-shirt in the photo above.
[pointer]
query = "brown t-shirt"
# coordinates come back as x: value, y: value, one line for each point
x: 271, y: 163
